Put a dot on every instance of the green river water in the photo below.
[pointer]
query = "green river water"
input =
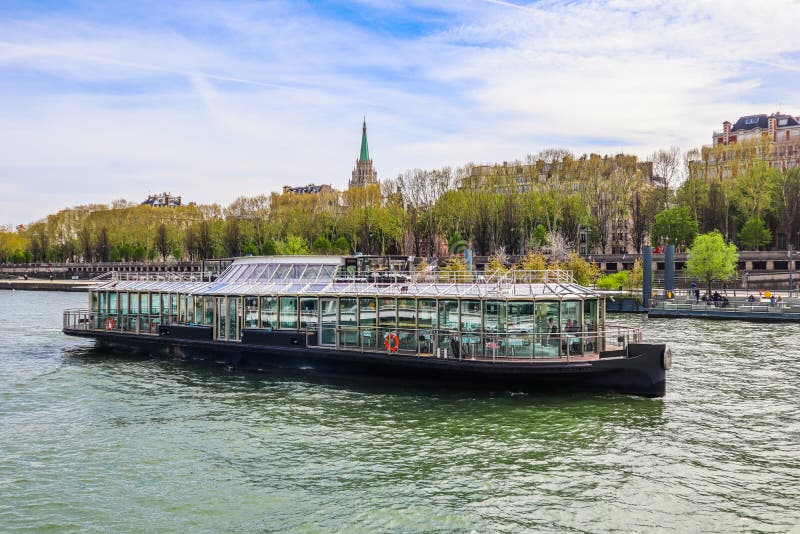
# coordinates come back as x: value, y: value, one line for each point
x: 90, y: 442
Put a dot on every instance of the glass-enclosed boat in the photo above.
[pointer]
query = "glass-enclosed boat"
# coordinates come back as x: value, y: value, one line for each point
x: 519, y: 330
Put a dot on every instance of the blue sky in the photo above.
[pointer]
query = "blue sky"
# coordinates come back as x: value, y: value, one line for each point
x: 213, y: 100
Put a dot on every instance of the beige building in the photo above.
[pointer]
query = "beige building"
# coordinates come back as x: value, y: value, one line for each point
x: 772, y: 138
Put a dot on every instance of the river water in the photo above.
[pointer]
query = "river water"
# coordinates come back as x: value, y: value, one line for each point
x: 91, y: 442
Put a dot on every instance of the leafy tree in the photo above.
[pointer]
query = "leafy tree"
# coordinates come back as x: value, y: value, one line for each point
x: 269, y: 248
x: 233, y: 237
x: 455, y: 269
x: 539, y: 236
x: 532, y: 261
x: 293, y: 246
x: 162, y: 241
x: 583, y: 272
x: 786, y: 203
x: 635, y: 276
x: 341, y: 245
x: 753, y: 190
x: 496, y: 267
x: 613, y: 281
x: 754, y: 234
x: 321, y: 245
x: 674, y: 226
x: 710, y: 258
x: 102, y: 246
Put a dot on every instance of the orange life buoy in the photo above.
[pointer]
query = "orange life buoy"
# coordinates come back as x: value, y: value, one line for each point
x: 110, y: 323
x: 392, y: 342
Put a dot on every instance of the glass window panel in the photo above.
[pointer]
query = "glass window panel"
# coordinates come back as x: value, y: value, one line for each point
x: 134, y: 303
x: 520, y: 316
x: 328, y: 308
x: 103, y: 302
x: 112, y: 303
x: 448, y: 314
x: 312, y: 272
x: 256, y: 274
x: 233, y: 304
x: 208, y: 318
x: 297, y: 272
x: 165, y: 303
x: 190, y: 309
x: 407, y: 313
x: 281, y: 271
x: 95, y: 301
x: 570, y: 316
x: 288, y: 314
x: 155, y: 303
x: 494, y: 316
x: 231, y: 273
x: 269, y: 312
x: 268, y: 272
x: 426, y: 314
x: 174, y: 301
x: 470, y: 315
x: 197, y: 316
x: 251, y: 310
x: 308, y: 313
x: 328, y: 271
x: 348, y: 312
x: 123, y: 303
x: 222, y: 316
x: 590, y: 315
x: 547, y: 329
x: 388, y: 311
x: 366, y: 311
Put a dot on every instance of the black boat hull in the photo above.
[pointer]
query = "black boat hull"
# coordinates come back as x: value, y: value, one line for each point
x: 642, y: 372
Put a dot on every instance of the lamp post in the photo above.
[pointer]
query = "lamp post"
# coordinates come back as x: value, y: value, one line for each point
x: 789, y: 253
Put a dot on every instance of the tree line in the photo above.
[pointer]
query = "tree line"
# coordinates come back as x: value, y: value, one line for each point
x: 550, y: 199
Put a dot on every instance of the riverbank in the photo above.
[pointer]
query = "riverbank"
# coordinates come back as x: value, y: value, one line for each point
x: 48, y: 285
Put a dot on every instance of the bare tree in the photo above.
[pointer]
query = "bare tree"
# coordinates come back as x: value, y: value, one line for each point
x: 666, y: 172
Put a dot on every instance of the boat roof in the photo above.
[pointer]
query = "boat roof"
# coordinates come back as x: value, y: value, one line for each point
x: 321, y: 276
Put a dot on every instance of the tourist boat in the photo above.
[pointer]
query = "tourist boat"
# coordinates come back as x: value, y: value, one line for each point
x: 369, y: 317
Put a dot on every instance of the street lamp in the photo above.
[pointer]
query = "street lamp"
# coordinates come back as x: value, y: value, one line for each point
x: 789, y: 254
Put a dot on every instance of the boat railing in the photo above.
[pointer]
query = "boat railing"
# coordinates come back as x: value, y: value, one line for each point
x: 166, y: 276
x: 139, y: 323
x: 477, y: 345
x: 509, y: 276
x: 511, y: 282
x: 732, y: 305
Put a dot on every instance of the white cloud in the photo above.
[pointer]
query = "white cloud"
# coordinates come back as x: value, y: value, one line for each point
x: 244, y: 98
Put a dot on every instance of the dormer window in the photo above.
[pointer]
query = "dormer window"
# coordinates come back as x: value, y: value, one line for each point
x: 751, y: 120
x: 783, y: 122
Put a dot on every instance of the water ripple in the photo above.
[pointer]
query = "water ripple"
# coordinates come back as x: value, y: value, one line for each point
x: 93, y: 441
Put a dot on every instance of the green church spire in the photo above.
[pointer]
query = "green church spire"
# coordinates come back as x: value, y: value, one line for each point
x: 364, y: 148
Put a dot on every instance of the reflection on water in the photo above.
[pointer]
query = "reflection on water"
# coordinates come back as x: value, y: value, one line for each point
x: 98, y: 441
